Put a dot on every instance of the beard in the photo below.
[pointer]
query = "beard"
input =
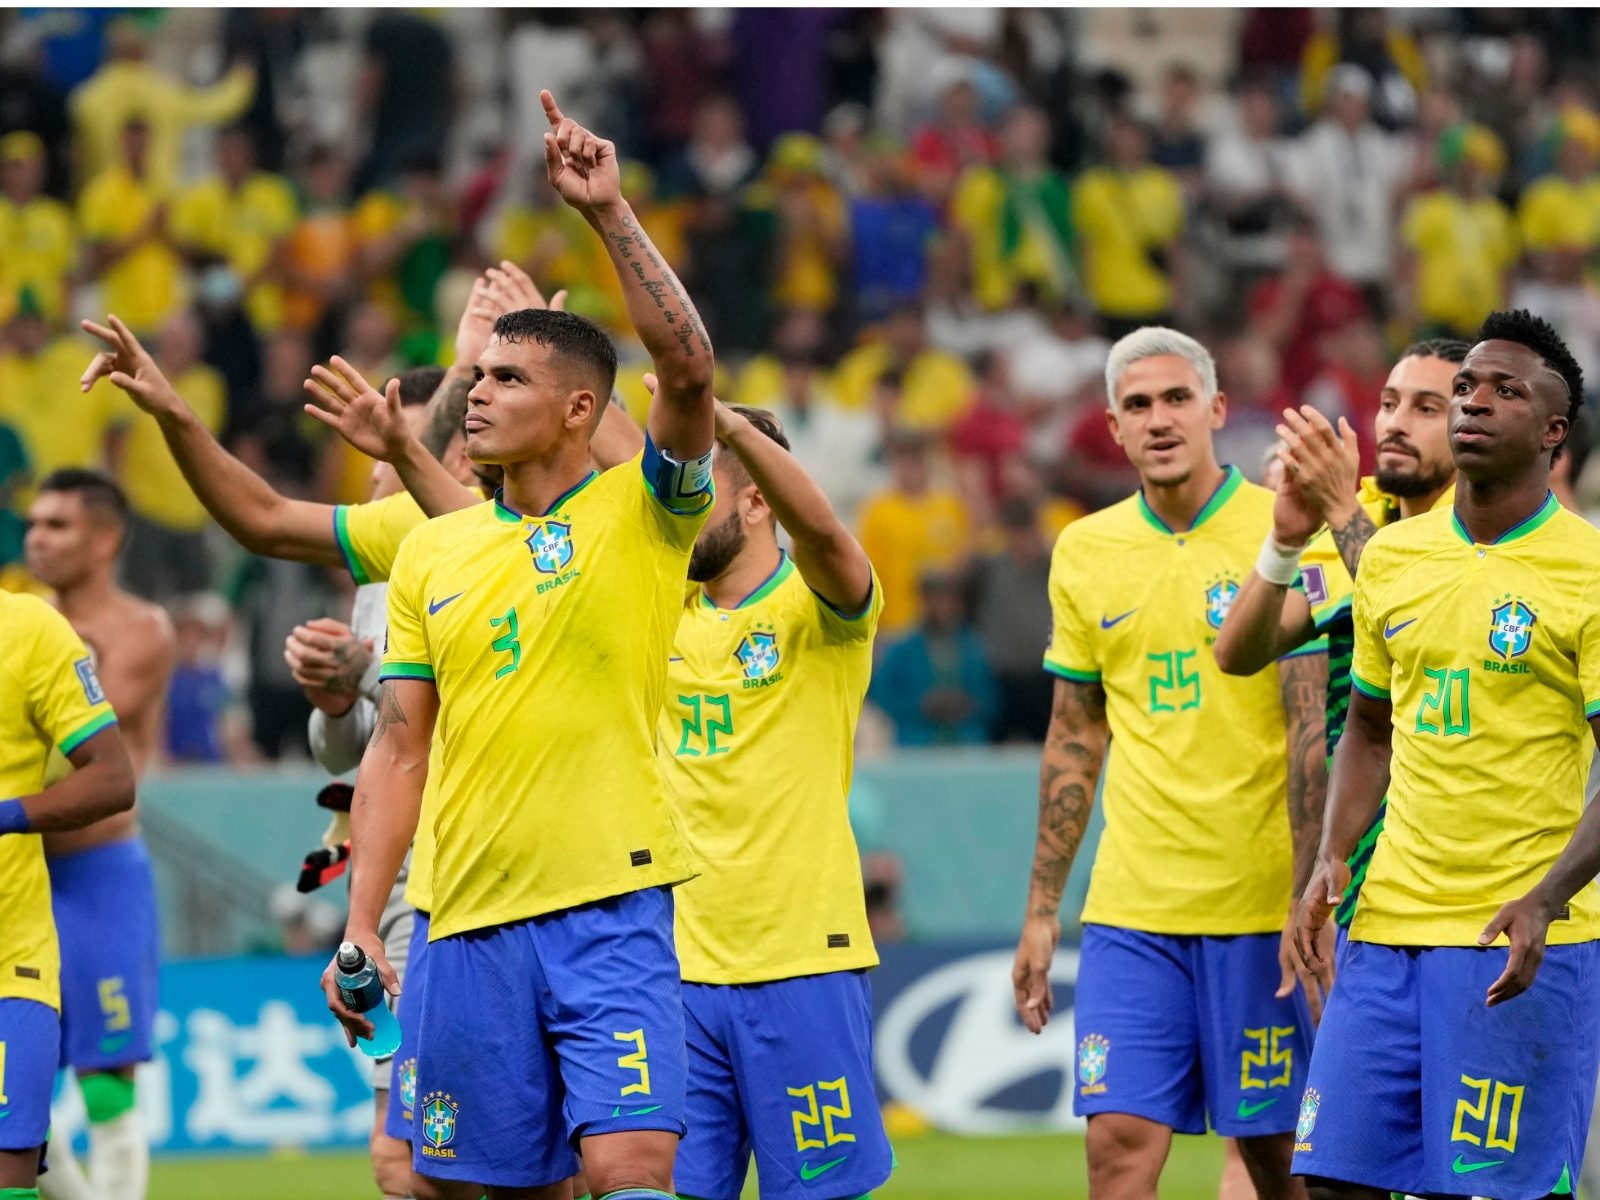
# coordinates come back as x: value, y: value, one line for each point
x: 716, y: 548
x: 1416, y: 480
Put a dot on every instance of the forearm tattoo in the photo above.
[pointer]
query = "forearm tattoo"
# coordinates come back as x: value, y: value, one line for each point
x: 1352, y: 539
x: 1304, y: 680
x: 1068, y: 772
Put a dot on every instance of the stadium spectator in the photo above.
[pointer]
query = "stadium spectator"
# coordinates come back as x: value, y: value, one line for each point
x: 321, y: 250
x: 1248, y: 176
x: 936, y: 387
x: 993, y: 431
x: 1363, y: 38
x: 267, y: 426
x: 1128, y: 215
x: 957, y: 139
x: 32, y: 103
x: 911, y: 527
x: 1011, y: 616
x: 1559, y: 213
x: 1178, y: 141
x: 60, y: 425
x: 1460, y: 238
x: 128, y: 88
x: 38, y: 244
x: 1352, y: 381
x: 934, y: 683
x: 167, y: 554
x: 1051, y: 368
x: 891, y: 224
x: 812, y: 236
x: 1295, y: 309
x: 124, y: 215
x: 717, y: 160
x: 1017, y: 216
x: 405, y: 94
x: 404, y: 235
x: 199, y: 694
x: 369, y: 345
x: 14, y: 476
x: 777, y: 59
x: 1560, y: 290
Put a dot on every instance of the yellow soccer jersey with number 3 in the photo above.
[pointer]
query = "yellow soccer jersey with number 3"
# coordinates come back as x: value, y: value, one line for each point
x: 547, y: 637
x: 757, y: 741
x: 50, y: 701
x: 1490, y: 655
x: 1196, y: 837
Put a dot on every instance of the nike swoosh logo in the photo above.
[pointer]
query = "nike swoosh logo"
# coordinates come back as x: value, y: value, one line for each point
x: 4, y: 1115
x: 1390, y: 630
x: 1248, y: 1110
x: 435, y: 605
x: 1462, y: 1167
x: 1108, y: 622
x: 808, y: 1172
x: 638, y: 1112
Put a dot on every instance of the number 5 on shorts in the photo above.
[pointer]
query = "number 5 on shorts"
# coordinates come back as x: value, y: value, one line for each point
x: 114, y: 1004
x: 637, y: 1061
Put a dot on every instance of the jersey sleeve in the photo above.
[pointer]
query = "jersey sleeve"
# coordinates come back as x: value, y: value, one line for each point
x: 1589, y: 648
x: 405, y: 646
x: 1371, y: 668
x: 65, y: 698
x: 1071, y: 653
x: 1324, y: 581
x: 851, y: 627
x: 369, y: 535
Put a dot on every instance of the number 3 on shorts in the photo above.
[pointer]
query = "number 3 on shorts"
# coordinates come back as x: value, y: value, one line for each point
x: 637, y: 1061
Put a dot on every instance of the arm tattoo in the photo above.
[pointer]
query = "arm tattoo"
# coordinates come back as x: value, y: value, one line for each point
x: 661, y: 285
x: 1068, y: 772
x: 1352, y: 539
x: 353, y: 659
x: 389, y: 712
x: 446, y: 411
x: 1304, y: 680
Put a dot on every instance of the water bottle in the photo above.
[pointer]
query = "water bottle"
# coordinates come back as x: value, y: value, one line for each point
x: 361, y: 989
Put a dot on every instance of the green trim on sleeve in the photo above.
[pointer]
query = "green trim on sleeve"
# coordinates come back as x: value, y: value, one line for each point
x: 81, y: 735
x: 341, y: 535
x: 872, y: 590
x: 1328, y: 616
x: 1317, y: 645
x: 1070, y: 675
x: 404, y: 670
x: 1591, y: 710
x: 1370, y: 690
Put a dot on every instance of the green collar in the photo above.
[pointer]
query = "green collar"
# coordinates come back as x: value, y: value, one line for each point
x: 506, y: 513
x: 1521, y: 529
x: 784, y: 569
x: 1231, y: 480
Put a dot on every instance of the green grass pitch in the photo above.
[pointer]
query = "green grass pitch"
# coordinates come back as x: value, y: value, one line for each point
x: 932, y: 1167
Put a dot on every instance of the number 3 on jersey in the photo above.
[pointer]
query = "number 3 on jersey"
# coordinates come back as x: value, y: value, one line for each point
x: 507, y: 643
x: 707, y: 717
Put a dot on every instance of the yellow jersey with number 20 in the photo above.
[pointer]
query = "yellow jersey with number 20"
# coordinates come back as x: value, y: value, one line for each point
x: 50, y: 700
x: 1196, y: 836
x: 1490, y: 655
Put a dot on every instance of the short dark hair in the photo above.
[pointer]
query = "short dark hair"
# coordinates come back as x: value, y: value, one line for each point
x: 418, y: 384
x: 763, y: 420
x: 1450, y: 349
x: 1535, y: 333
x: 569, y: 335
x: 98, y: 491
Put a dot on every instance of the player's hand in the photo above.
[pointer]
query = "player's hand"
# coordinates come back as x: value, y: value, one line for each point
x: 582, y: 167
x: 129, y: 366
x: 1030, y: 973
x: 1324, y: 892
x: 328, y: 661
x: 345, y: 402
x: 356, y: 1025
x: 1316, y: 978
x: 1525, y: 922
x: 1326, y: 465
x: 1294, y: 517
x: 499, y: 290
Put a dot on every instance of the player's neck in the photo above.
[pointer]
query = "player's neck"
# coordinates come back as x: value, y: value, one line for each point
x: 530, y: 488
x: 89, y: 596
x: 1415, y: 506
x: 1178, y: 504
x: 1489, y: 508
x: 751, y: 568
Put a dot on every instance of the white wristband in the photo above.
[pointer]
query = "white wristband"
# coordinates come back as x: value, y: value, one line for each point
x: 1277, y: 565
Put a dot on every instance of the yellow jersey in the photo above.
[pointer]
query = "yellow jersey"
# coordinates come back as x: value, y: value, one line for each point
x: 907, y: 536
x: 757, y: 742
x: 369, y: 534
x: 1557, y: 214
x: 937, y: 388
x: 151, y: 477
x: 547, y: 637
x: 1490, y: 655
x: 60, y: 425
x: 1196, y: 837
x: 50, y: 701
x: 1123, y: 220
x: 1464, y: 248
x: 145, y: 286
x: 38, y: 250
x: 243, y: 227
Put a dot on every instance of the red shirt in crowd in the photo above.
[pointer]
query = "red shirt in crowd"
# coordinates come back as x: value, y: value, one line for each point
x: 1329, y: 303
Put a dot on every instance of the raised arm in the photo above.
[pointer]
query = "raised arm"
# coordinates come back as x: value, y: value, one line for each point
x: 583, y: 169
x: 1074, y: 749
x: 383, y: 820
x: 1326, y: 468
x: 252, y: 511
x: 100, y: 786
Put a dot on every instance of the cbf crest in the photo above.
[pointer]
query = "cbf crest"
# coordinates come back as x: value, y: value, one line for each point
x: 1092, y: 1054
x: 439, y: 1112
x: 758, y: 655
x: 1309, y: 1104
x: 1511, y: 625
x: 551, y: 545
x: 1220, y: 595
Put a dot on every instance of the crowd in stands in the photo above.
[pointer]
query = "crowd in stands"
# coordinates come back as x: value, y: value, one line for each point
x: 913, y: 234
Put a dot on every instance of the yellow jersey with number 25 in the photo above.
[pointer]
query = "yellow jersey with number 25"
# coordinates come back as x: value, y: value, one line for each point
x: 1196, y: 834
x: 1490, y: 655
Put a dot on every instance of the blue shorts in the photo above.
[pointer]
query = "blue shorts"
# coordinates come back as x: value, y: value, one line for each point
x: 30, y: 1032
x: 398, y: 1116
x: 783, y: 1069
x: 105, y: 908
x: 1417, y: 1086
x: 541, y: 1032
x: 1172, y: 1027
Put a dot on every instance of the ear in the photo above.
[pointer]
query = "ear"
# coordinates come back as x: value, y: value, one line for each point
x: 1113, y: 426
x: 1219, y: 410
x: 1556, y: 430
x: 583, y: 409
x: 753, y: 505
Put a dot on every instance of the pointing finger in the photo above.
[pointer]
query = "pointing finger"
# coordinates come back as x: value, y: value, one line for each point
x: 551, y: 109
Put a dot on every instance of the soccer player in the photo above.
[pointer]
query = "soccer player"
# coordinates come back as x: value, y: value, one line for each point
x: 102, y: 887
x: 1458, y: 1052
x: 50, y: 702
x: 535, y: 633
x: 1176, y: 1011
x: 1298, y: 595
